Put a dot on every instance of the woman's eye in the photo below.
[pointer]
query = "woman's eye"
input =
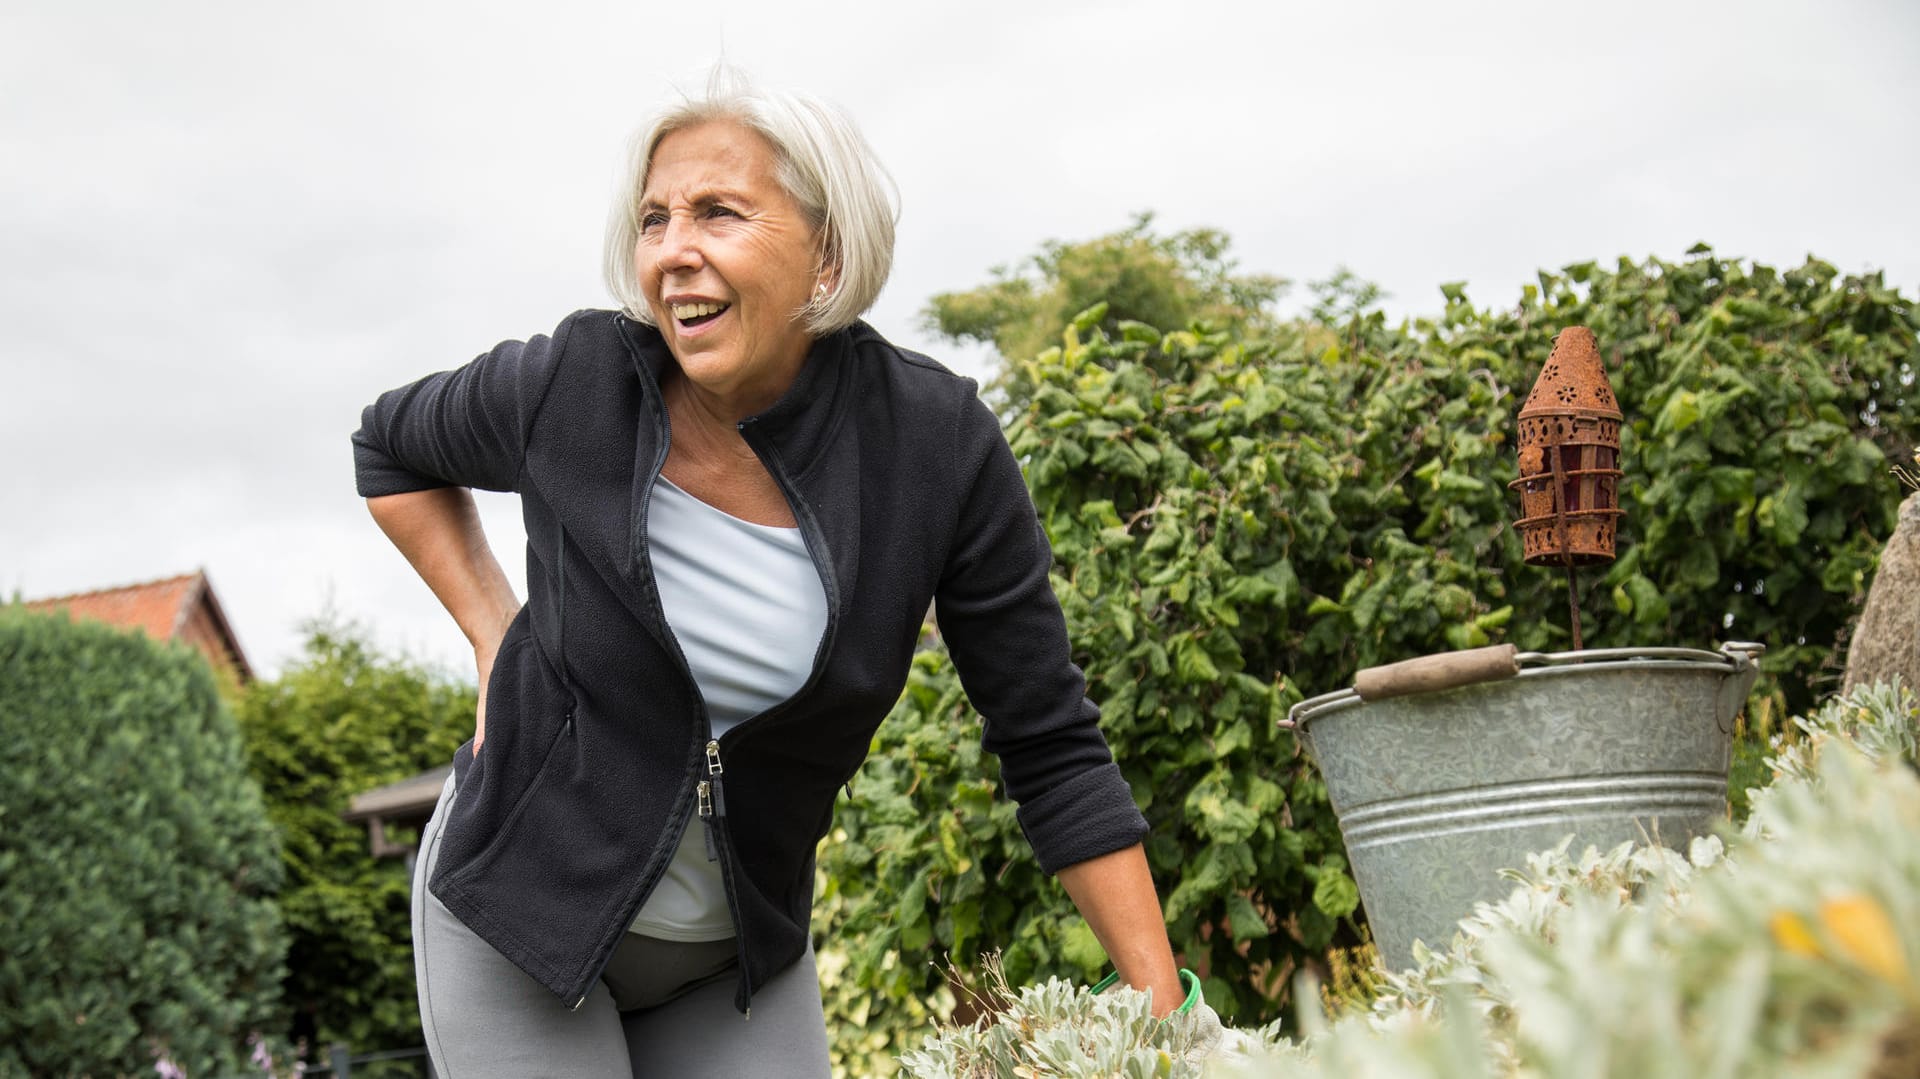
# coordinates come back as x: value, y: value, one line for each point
x: 720, y: 211
x: 651, y: 221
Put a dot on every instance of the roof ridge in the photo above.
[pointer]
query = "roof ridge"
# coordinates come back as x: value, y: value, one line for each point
x: 163, y: 609
x: 43, y: 601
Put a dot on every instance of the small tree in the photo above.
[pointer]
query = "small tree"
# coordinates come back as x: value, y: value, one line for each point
x: 137, y: 919
x: 1136, y: 275
x: 342, y: 720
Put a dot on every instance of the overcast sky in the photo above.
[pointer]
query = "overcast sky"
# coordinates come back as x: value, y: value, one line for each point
x: 227, y: 226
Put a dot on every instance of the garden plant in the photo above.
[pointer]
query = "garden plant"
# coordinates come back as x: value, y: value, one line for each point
x: 343, y: 719
x: 137, y: 920
x: 1245, y: 509
x: 1791, y: 949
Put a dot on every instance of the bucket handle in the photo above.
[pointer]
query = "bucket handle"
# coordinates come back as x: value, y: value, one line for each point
x: 1444, y: 671
x: 1450, y: 670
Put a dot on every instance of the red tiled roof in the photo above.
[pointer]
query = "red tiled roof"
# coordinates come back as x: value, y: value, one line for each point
x: 161, y: 609
x: 157, y: 608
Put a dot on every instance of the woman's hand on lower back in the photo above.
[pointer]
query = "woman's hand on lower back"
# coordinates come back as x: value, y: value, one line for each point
x: 483, y: 664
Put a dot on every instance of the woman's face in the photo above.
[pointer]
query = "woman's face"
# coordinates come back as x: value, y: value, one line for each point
x: 726, y: 260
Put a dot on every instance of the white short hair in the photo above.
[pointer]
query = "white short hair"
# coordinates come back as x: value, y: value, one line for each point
x: 823, y: 164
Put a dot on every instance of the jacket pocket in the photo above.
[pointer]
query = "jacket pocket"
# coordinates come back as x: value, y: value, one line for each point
x: 478, y: 863
x: 530, y: 716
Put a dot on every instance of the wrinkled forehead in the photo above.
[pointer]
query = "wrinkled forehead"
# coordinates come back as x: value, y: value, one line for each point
x: 713, y: 157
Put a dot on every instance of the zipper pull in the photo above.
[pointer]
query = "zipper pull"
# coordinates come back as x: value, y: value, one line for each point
x: 718, y: 803
x: 706, y: 819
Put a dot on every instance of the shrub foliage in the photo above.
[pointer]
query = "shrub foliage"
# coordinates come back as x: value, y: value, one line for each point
x: 137, y: 920
x: 1790, y: 948
x: 1242, y: 518
x: 342, y: 720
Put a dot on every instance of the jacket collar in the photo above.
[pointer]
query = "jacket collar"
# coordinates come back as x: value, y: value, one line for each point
x: 800, y: 430
x: 803, y: 420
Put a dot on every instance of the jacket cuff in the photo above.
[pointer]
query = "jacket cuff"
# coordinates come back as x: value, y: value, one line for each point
x: 1087, y: 816
x: 376, y: 474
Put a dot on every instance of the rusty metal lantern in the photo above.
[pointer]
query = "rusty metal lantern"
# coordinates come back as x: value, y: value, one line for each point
x: 1570, y: 462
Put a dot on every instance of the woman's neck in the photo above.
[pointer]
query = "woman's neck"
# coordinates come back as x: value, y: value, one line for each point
x: 710, y: 460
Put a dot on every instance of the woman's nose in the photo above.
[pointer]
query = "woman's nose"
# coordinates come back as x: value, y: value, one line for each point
x: 679, y: 244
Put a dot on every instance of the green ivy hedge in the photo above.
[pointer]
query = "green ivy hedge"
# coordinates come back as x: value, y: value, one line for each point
x: 1240, y: 522
x: 341, y: 720
x: 137, y: 920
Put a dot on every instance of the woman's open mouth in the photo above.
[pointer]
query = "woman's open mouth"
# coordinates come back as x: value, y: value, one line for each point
x: 690, y: 315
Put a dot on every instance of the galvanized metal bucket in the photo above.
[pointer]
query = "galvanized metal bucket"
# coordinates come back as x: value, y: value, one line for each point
x: 1437, y: 791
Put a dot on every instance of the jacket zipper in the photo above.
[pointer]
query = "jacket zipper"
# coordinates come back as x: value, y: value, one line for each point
x: 823, y: 564
x: 703, y: 792
x: 713, y: 813
x: 709, y: 796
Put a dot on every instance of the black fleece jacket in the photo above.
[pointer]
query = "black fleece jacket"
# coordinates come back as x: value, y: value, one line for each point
x: 599, y: 752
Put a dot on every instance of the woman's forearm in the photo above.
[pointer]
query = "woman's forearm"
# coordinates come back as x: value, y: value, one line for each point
x: 1115, y: 894
x: 438, y: 530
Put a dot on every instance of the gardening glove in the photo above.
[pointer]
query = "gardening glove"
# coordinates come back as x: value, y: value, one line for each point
x: 1209, y: 1034
x: 1206, y: 1033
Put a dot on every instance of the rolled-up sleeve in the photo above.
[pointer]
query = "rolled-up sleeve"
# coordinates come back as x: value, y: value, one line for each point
x: 1003, y: 626
x: 461, y: 428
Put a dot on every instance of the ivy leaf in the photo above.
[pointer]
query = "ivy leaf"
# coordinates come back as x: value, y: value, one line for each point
x: 953, y: 839
x: 912, y: 908
x: 1699, y: 567
x: 1464, y: 635
x: 1244, y: 919
x: 1080, y: 947
x: 1649, y: 606
x: 1322, y: 605
x: 1788, y: 517
x: 1219, y: 816
x: 1681, y: 411
x: 1335, y: 894
x: 1193, y: 662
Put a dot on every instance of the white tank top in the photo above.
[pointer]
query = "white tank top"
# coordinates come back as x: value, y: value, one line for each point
x: 746, y: 604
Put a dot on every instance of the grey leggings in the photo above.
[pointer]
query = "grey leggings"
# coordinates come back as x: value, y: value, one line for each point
x: 662, y: 1009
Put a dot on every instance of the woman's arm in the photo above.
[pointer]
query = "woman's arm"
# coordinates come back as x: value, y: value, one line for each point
x: 439, y: 532
x: 1008, y: 639
x: 1115, y: 895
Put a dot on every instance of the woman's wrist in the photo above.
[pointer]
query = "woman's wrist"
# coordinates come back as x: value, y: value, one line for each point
x: 1162, y: 979
x: 1187, y: 995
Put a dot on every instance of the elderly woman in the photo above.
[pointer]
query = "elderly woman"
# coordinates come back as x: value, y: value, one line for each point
x: 739, y: 502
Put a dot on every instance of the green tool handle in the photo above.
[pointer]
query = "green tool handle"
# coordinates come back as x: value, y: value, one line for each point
x: 1187, y: 978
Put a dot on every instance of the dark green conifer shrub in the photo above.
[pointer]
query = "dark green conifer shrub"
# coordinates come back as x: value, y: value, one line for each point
x: 137, y: 867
